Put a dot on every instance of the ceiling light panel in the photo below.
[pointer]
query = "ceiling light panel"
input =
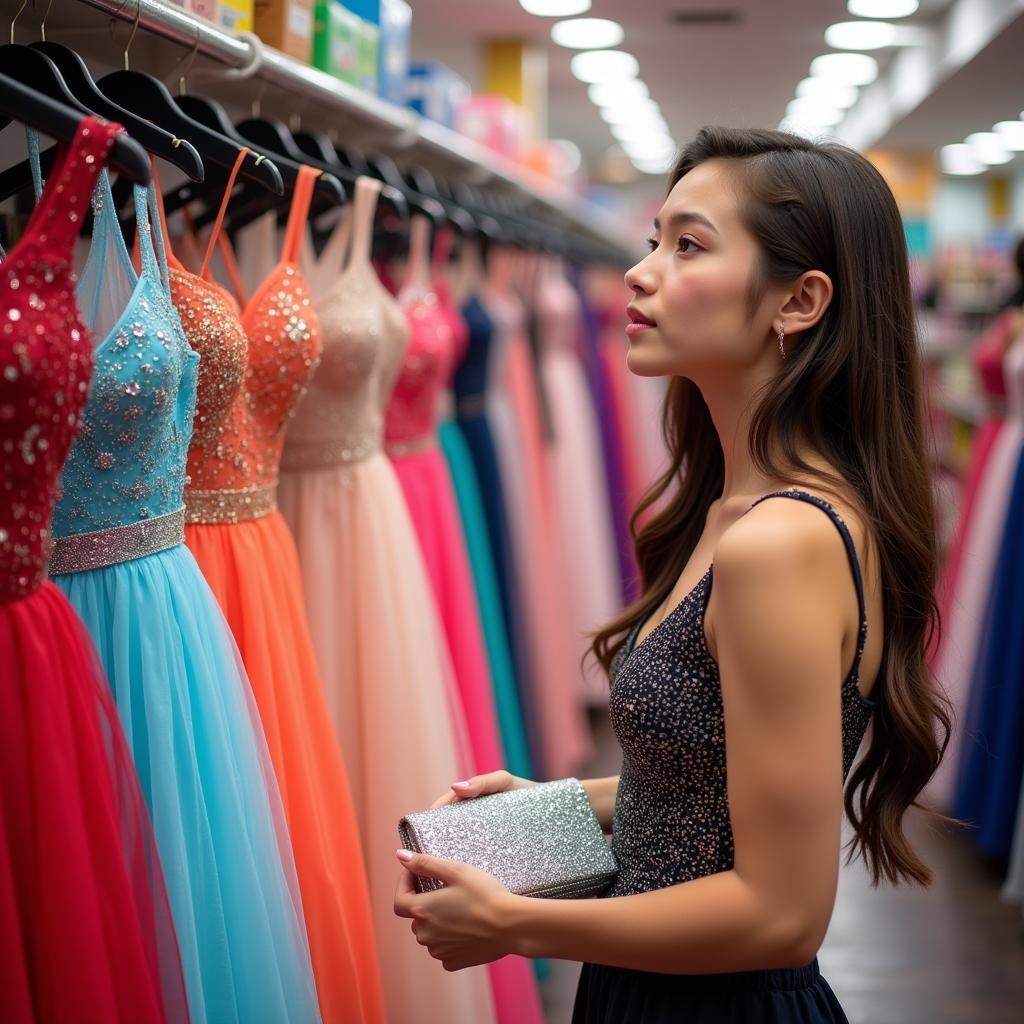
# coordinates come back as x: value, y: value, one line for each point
x: 604, y: 66
x: 555, y: 8
x: 1011, y: 134
x: 608, y: 94
x: 989, y: 148
x: 860, y: 35
x: 846, y: 68
x: 882, y: 8
x: 960, y: 159
x: 587, y: 33
x: 835, y: 94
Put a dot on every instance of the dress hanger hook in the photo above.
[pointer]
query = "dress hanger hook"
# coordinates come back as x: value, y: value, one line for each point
x: 42, y: 24
x: 17, y: 15
x: 191, y: 58
x: 135, y: 28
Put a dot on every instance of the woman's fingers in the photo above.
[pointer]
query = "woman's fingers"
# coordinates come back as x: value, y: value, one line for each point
x: 477, y: 785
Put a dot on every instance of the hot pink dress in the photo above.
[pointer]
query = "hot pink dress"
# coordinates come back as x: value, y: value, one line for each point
x: 410, y: 433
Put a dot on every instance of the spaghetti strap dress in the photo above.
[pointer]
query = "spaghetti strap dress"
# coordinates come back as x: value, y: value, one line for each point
x: 180, y: 687
x: 85, y: 926
x: 253, y: 371
x: 671, y: 822
x: 375, y: 628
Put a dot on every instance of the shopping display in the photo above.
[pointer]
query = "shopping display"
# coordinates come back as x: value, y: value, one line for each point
x: 320, y: 467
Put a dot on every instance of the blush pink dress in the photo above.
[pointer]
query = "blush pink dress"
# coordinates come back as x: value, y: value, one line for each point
x: 371, y: 613
x: 560, y: 739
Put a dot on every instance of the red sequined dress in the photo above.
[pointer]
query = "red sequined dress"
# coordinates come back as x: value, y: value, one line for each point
x: 85, y: 928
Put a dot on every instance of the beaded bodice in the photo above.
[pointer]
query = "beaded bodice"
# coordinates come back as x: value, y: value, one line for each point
x: 413, y: 409
x: 364, y: 335
x: 671, y: 821
x: 277, y: 334
x: 128, y: 463
x: 45, y: 360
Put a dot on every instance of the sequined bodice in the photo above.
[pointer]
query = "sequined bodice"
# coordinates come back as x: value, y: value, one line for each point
x: 671, y: 820
x: 128, y: 463
x: 269, y: 351
x: 45, y: 360
x: 412, y: 412
x: 364, y: 335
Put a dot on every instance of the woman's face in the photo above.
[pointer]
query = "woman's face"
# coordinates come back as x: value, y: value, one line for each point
x: 689, y: 314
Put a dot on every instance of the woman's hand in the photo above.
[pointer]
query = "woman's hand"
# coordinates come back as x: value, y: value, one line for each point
x: 465, y: 923
x: 481, y: 785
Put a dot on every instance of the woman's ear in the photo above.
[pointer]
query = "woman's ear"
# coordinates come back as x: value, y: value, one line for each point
x: 808, y: 299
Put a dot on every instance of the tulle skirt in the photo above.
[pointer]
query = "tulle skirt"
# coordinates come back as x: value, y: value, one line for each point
x: 384, y: 665
x: 431, y: 502
x: 253, y: 569
x: 85, y: 928
x: 194, y: 732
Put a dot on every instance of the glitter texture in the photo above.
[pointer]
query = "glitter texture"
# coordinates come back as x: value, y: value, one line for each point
x: 539, y: 841
x: 45, y: 363
x: 671, y: 819
x: 84, y: 551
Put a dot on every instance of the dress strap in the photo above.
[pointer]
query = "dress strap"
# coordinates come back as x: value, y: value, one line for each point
x: 299, y: 214
x: 219, y: 223
x: 60, y: 209
x: 851, y: 553
x: 363, y: 214
x: 417, y: 269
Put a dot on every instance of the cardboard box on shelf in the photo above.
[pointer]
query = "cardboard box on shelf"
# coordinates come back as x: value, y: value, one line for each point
x: 437, y: 92
x: 395, y: 31
x: 335, y: 40
x: 367, y: 56
x: 496, y: 122
x: 287, y: 25
x: 235, y: 15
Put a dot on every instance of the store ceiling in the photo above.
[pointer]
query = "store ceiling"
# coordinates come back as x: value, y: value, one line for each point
x: 740, y: 71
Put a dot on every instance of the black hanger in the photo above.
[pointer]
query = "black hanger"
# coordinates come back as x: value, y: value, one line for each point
x: 386, y: 170
x: 153, y: 138
x: 273, y: 136
x: 317, y: 145
x: 150, y: 98
x: 20, y: 103
x: 460, y: 218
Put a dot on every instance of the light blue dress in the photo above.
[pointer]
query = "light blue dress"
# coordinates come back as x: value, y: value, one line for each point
x: 184, y: 699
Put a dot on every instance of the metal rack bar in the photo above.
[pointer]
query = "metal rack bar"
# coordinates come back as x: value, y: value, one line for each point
x: 402, y: 127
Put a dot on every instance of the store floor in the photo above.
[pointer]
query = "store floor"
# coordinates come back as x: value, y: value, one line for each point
x: 951, y: 954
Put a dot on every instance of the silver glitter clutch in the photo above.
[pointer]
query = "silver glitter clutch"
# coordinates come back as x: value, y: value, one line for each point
x: 539, y: 841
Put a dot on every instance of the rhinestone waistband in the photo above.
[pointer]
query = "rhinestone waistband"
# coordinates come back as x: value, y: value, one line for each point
x: 403, y: 449
x: 230, y: 506
x: 84, y: 551
x: 325, y: 454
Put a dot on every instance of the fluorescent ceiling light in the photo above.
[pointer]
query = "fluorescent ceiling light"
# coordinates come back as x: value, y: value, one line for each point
x: 814, y: 111
x: 555, y: 8
x: 651, y: 144
x: 639, y: 132
x: 604, y: 66
x: 623, y: 113
x: 587, y: 33
x: 806, y: 129
x: 960, y: 159
x: 658, y: 166
x: 571, y: 153
x: 882, y: 8
x: 610, y: 94
x: 835, y: 94
x: 860, y: 35
x: 847, y: 68
x: 989, y: 148
x: 1011, y: 134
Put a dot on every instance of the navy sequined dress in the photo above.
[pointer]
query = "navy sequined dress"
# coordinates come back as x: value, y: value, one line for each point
x: 672, y: 823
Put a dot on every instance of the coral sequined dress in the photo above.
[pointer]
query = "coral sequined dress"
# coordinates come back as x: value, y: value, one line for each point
x: 85, y: 930
x: 253, y: 371
x: 185, y: 702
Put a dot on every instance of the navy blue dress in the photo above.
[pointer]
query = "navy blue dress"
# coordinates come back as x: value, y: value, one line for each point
x: 671, y: 821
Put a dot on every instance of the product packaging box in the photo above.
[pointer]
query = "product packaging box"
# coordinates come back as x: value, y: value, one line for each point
x: 368, y: 10
x: 435, y: 91
x: 235, y: 15
x: 202, y: 9
x: 287, y: 25
x: 496, y: 122
x: 395, y: 32
x: 335, y: 40
x: 367, y: 56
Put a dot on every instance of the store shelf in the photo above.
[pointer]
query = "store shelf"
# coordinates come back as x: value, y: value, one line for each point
x: 401, y: 131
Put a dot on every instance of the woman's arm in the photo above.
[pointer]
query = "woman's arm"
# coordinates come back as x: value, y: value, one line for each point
x: 780, y: 608
x: 601, y: 793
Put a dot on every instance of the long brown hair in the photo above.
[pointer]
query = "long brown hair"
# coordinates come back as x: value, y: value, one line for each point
x: 851, y: 388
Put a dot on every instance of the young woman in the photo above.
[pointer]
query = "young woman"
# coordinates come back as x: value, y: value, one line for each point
x: 788, y: 576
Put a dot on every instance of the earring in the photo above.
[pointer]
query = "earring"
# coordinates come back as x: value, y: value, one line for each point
x: 782, y: 339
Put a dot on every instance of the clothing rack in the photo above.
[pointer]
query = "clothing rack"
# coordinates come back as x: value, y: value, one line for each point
x: 399, y: 131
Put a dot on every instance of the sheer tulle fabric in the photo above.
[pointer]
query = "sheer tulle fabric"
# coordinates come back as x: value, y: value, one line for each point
x: 198, y: 747
x: 85, y: 928
x: 253, y: 569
